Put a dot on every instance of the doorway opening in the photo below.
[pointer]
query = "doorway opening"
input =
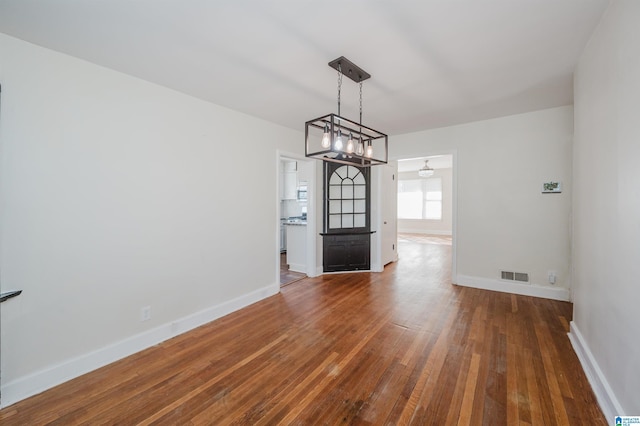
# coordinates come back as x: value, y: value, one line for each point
x: 287, y: 276
x: 296, y: 243
x: 427, y: 201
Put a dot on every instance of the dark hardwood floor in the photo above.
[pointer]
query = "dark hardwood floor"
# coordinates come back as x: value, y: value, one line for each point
x: 401, y: 347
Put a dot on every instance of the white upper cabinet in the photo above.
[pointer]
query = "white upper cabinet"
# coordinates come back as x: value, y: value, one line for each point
x: 289, y: 180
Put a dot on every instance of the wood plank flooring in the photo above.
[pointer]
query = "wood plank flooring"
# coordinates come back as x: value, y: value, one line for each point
x: 396, y: 348
x: 286, y: 276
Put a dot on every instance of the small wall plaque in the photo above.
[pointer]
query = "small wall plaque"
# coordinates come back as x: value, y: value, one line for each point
x: 551, y: 187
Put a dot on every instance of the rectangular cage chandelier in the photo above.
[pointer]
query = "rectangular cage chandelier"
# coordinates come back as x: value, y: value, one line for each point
x: 339, y: 140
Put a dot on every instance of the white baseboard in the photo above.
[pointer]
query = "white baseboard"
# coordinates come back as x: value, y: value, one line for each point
x: 547, y: 292
x: 298, y: 267
x: 40, y: 381
x: 605, y: 396
x: 423, y: 231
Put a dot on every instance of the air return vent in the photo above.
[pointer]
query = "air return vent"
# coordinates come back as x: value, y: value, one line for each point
x: 514, y: 276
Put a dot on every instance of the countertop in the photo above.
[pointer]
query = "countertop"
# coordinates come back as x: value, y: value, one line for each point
x: 294, y: 220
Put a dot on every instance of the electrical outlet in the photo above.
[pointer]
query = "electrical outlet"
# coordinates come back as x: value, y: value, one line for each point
x: 145, y: 313
x: 552, y: 277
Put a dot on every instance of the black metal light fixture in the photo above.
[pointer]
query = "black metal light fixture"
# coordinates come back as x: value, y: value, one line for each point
x: 325, y: 136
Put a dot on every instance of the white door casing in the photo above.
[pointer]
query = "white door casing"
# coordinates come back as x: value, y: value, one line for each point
x: 389, y: 212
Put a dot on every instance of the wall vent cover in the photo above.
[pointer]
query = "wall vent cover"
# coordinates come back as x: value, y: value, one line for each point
x: 507, y: 275
x: 521, y: 276
x: 514, y: 276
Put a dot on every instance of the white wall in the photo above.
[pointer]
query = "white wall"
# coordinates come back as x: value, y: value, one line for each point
x: 431, y: 226
x: 114, y: 195
x: 503, y: 219
x: 606, y: 205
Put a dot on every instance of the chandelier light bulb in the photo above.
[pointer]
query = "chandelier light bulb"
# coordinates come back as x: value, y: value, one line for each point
x: 326, y: 141
x: 350, y: 144
x: 359, y: 148
x: 338, y: 144
x: 369, y: 152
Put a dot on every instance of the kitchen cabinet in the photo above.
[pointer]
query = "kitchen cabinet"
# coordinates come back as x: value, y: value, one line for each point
x: 283, y: 237
x: 289, y: 180
x: 297, y: 247
x: 346, y: 252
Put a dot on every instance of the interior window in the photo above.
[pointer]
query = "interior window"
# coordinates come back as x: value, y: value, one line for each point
x: 347, y: 198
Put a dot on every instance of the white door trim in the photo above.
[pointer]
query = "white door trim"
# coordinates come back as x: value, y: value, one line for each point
x: 311, y: 269
x: 454, y: 195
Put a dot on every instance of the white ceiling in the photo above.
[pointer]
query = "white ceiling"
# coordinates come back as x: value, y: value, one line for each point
x: 433, y: 62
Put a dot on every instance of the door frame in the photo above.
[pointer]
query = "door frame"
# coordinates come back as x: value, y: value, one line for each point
x: 377, y: 216
x: 454, y: 195
x: 311, y: 261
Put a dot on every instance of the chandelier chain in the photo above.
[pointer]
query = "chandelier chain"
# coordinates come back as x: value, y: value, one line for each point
x: 361, y: 102
x: 339, y: 85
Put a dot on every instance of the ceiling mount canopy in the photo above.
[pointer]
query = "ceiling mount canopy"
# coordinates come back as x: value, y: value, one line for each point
x: 425, y: 171
x: 337, y: 139
x: 348, y: 68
